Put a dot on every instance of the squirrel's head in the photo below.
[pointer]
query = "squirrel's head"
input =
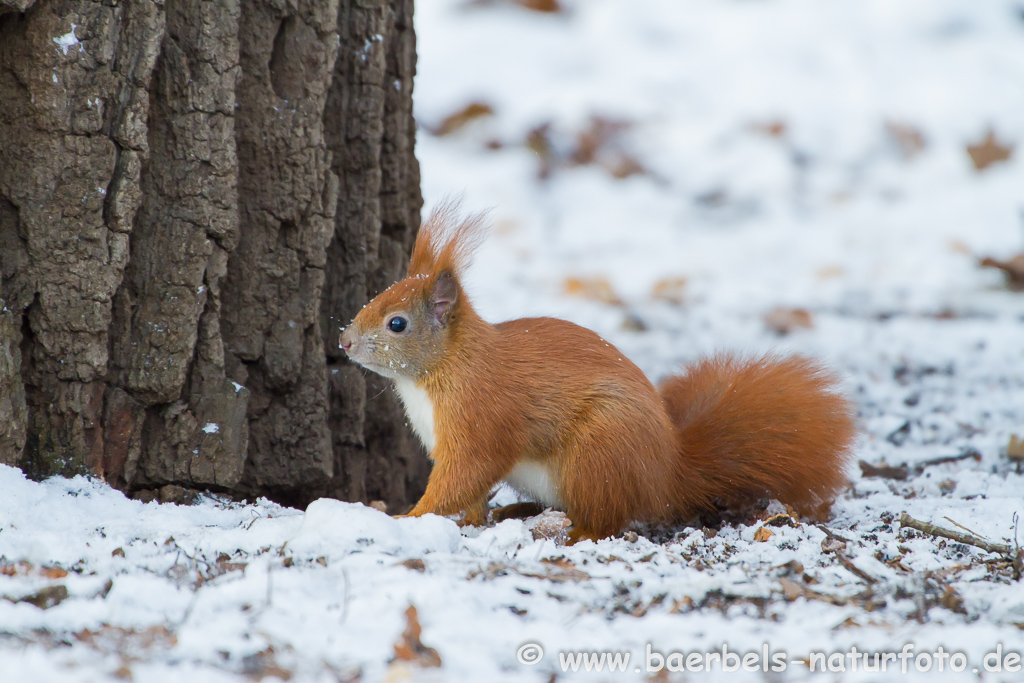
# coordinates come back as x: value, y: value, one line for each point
x: 404, y: 331
x: 410, y: 327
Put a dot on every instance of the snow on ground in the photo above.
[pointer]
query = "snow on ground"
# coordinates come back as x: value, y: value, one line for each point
x: 667, y: 174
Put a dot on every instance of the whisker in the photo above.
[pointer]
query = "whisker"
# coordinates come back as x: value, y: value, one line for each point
x: 367, y: 373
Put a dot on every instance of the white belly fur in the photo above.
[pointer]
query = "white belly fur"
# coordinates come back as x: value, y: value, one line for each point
x: 419, y: 409
x: 530, y: 478
x: 533, y: 480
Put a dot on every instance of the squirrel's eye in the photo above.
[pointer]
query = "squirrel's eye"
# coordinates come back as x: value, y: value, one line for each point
x: 398, y: 324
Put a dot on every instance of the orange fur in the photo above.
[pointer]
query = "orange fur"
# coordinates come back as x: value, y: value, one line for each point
x: 556, y: 410
x: 446, y: 242
x: 770, y: 427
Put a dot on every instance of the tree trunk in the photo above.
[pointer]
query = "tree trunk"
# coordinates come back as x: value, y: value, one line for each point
x: 194, y: 198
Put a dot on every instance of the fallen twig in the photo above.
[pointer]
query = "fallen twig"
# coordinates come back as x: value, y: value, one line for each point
x: 970, y: 531
x: 902, y: 471
x: 958, y: 536
x: 831, y: 534
x: 899, y: 473
x: 969, y: 454
x: 854, y: 569
x: 791, y: 590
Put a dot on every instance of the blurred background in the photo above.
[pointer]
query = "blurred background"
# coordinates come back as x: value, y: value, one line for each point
x: 691, y: 166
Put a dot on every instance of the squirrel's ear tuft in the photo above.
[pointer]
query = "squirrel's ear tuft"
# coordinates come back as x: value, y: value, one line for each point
x: 443, y: 296
x: 447, y: 240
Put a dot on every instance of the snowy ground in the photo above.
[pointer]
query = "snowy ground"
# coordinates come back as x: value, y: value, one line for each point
x: 779, y: 154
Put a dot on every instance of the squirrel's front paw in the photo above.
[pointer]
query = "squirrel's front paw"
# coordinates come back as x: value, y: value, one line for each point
x: 474, y: 518
x: 415, y: 512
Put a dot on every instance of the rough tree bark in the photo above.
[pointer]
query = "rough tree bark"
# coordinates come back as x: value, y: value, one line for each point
x: 194, y: 197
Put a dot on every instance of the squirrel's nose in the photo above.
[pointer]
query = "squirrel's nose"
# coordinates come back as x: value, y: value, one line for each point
x: 345, y: 340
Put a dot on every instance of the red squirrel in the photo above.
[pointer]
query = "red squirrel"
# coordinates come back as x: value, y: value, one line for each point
x: 562, y: 416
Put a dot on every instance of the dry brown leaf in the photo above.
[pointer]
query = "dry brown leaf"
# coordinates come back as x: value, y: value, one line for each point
x: 263, y: 664
x: 415, y: 564
x: 595, y: 289
x: 409, y: 648
x: 225, y: 565
x: 48, y: 597
x: 829, y: 272
x: 792, y: 590
x: 763, y: 534
x: 791, y: 568
x: 592, y: 145
x: 597, y: 143
x: 538, y: 141
x: 491, y: 571
x: 114, y: 639
x: 558, y: 570
x: 782, y: 321
x: 774, y: 129
x: 989, y: 151
x: 15, y: 568
x: 548, y: 6
x: 1015, y: 449
x: 471, y: 112
x: 23, y: 567
x: 1013, y: 268
x: 959, y: 247
x: 952, y: 601
x: 624, y: 166
x: 634, y: 323
x: 669, y: 289
x: 563, y: 562
x: 683, y: 605
x: 908, y: 139
x: 596, y: 135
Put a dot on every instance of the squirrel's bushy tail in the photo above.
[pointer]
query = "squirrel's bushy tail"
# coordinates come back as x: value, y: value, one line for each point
x: 764, y: 428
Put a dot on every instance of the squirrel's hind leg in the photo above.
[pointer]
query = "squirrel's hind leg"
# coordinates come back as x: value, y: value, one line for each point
x: 596, y: 483
x: 615, y: 468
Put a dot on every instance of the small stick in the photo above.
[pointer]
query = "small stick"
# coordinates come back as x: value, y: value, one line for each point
x: 941, y: 574
x: 854, y: 569
x: 899, y: 472
x: 958, y: 536
x: 831, y: 534
x: 969, y: 454
x: 970, y: 531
